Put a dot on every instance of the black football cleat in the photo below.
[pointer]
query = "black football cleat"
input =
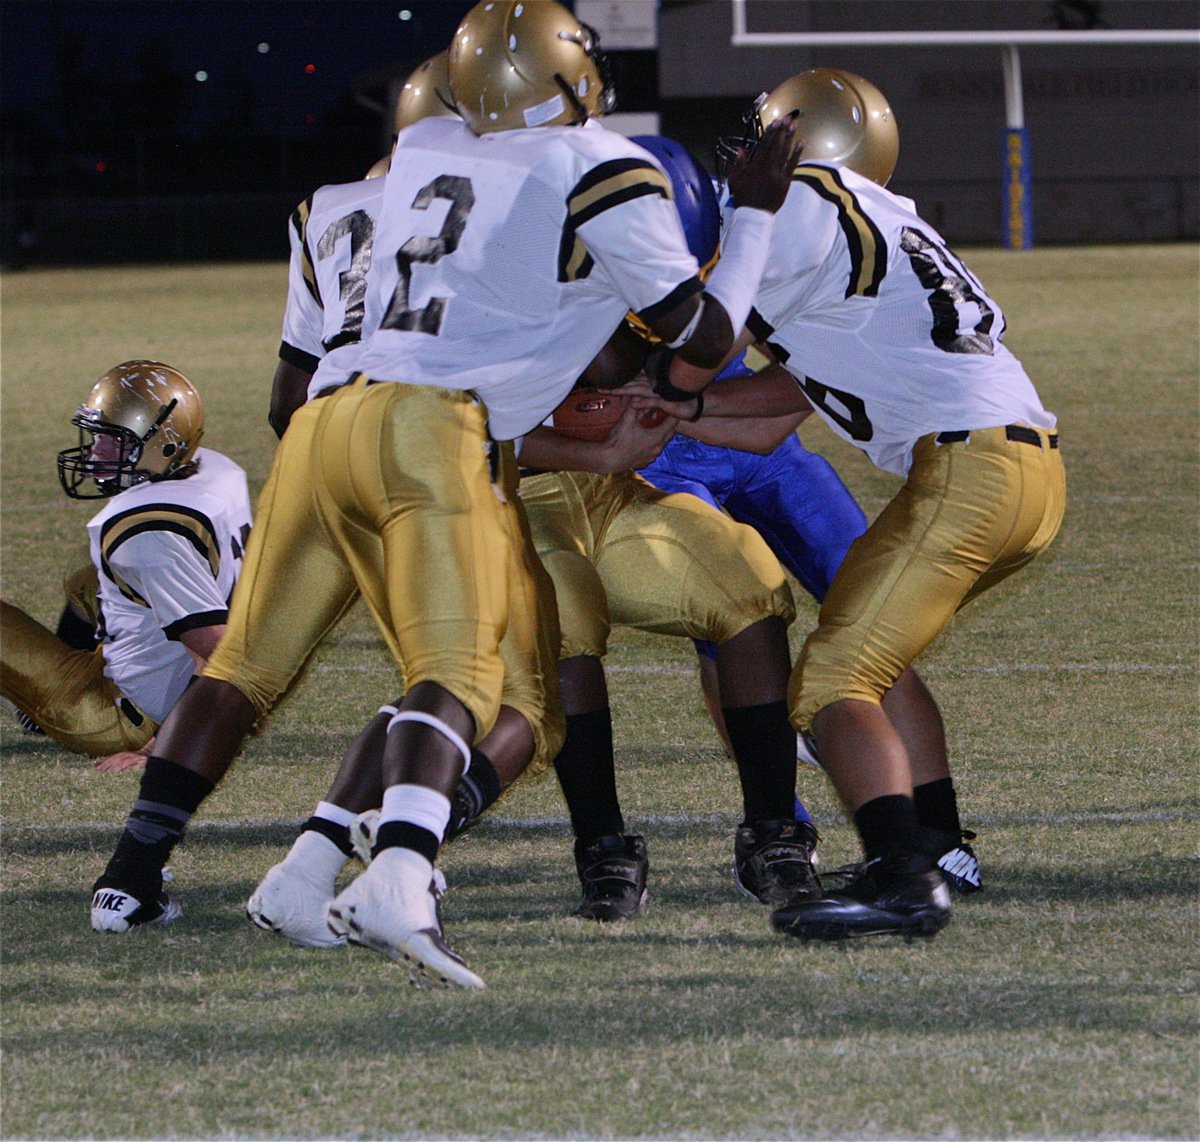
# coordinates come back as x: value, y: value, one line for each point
x: 613, y: 872
x: 773, y: 862
x: 883, y: 898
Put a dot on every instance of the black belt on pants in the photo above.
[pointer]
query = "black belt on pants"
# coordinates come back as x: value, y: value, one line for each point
x: 131, y: 712
x: 1016, y: 432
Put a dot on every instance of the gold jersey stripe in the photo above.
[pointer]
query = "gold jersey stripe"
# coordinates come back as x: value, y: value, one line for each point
x: 300, y: 218
x: 602, y: 188
x: 194, y: 526
x: 868, y: 249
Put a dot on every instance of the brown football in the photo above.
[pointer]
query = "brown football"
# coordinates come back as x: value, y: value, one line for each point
x: 590, y: 414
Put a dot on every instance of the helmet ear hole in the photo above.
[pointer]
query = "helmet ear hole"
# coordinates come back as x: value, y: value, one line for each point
x: 169, y: 450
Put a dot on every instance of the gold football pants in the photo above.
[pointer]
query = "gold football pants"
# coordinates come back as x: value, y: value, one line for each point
x: 81, y: 585
x: 385, y: 489
x: 970, y: 514
x: 621, y: 551
x: 64, y: 690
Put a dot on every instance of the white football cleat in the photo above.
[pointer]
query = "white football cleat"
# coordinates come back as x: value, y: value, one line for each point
x: 362, y: 834
x: 363, y: 830
x: 293, y: 897
x: 391, y: 908
x: 114, y: 910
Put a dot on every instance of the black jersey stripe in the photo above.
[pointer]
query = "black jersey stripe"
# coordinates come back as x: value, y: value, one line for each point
x: 868, y: 250
x: 193, y: 525
x: 676, y: 297
x: 194, y: 622
x: 603, y: 187
x: 304, y: 361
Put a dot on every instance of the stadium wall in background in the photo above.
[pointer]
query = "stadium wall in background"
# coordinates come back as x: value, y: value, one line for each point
x: 1113, y: 132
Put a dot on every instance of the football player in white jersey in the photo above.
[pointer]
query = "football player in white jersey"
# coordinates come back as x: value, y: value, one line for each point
x: 166, y: 548
x: 332, y: 236
x: 399, y: 499
x: 648, y: 545
x: 897, y: 345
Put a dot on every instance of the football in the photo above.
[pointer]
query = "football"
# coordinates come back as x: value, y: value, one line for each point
x: 590, y: 414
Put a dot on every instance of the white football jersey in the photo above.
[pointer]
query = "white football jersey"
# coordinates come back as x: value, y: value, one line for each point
x: 168, y: 553
x: 504, y: 262
x: 331, y: 235
x: 887, y: 331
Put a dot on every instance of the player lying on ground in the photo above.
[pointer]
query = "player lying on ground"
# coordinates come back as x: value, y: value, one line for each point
x: 165, y: 550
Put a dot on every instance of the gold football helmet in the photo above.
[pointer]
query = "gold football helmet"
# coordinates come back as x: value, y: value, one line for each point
x: 843, y: 119
x: 425, y: 93
x: 379, y: 167
x: 143, y: 421
x: 526, y: 63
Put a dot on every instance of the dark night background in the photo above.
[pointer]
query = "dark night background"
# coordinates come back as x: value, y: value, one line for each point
x: 150, y: 98
x: 147, y: 99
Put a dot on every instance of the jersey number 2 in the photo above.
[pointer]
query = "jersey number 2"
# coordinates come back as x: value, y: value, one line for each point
x: 428, y: 319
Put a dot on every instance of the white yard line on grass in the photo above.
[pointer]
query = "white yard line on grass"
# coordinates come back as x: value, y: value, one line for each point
x: 997, y: 820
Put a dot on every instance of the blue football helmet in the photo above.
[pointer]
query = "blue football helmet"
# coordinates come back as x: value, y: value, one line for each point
x: 695, y: 198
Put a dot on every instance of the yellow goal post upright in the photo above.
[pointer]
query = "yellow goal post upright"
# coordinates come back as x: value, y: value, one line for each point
x: 1016, y: 177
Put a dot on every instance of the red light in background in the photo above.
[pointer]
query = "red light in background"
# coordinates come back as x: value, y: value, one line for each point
x: 310, y: 69
x: 310, y: 118
x: 101, y: 167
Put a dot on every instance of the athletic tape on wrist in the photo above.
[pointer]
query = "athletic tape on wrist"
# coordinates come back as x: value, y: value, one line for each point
x: 743, y: 257
x: 448, y: 732
x: 690, y: 327
x: 393, y: 710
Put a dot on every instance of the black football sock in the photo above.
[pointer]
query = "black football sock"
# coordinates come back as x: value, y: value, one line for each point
x: 331, y: 831
x: 937, y: 806
x: 477, y: 791
x: 890, y: 830
x: 406, y: 835
x: 764, y: 747
x: 168, y: 796
x: 587, y: 774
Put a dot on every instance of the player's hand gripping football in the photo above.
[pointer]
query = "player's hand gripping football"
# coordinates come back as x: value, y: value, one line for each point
x: 636, y: 440
x: 761, y: 178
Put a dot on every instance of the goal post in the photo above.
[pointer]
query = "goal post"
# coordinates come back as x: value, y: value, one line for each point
x: 1016, y: 175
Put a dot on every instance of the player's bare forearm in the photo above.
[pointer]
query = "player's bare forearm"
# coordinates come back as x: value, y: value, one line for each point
x: 201, y: 642
x: 768, y: 394
x: 761, y: 435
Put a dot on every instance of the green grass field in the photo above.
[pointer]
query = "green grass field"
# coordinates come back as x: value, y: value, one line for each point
x: 1061, y: 1002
